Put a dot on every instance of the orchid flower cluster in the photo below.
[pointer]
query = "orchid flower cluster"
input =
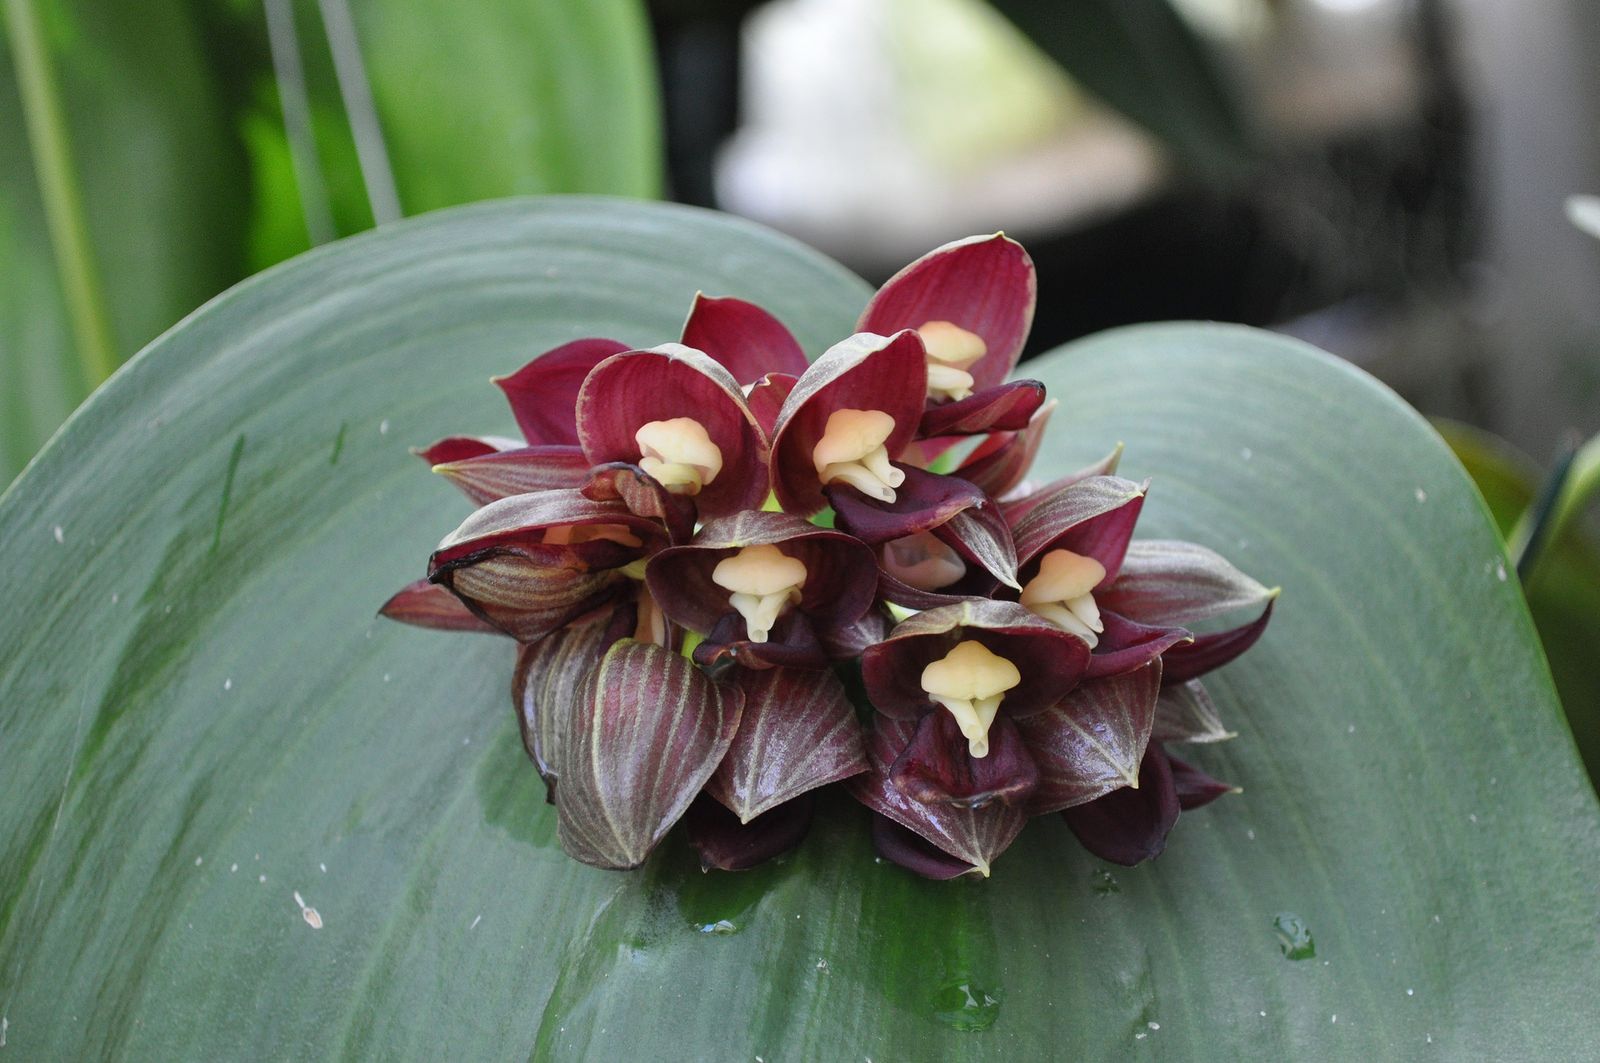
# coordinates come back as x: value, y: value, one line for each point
x: 736, y: 578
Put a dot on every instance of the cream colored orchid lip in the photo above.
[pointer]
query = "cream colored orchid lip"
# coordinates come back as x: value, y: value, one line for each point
x: 852, y: 451
x: 923, y: 561
x: 763, y: 581
x: 951, y: 351
x: 970, y: 682
x: 1061, y: 594
x: 679, y: 454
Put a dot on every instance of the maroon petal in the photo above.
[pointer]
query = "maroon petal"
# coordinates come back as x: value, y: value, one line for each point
x: 864, y: 372
x: 1129, y: 826
x: 503, y: 473
x: 424, y: 604
x: 973, y: 836
x: 725, y: 844
x: 1094, y: 517
x: 498, y: 563
x: 980, y: 535
x: 984, y: 284
x: 1173, y: 582
x: 1023, y: 497
x: 914, y: 852
x: 1186, y: 713
x: 544, y: 393
x: 936, y: 766
x: 547, y: 683
x: 1003, y: 408
x: 1092, y: 741
x: 924, y: 501
x: 631, y: 389
x: 849, y: 641
x: 798, y: 732
x: 643, y: 496
x: 459, y: 448
x: 746, y: 339
x: 841, y: 572
x: 1195, y: 788
x: 1125, y: 646
x: 1213, y: 650
x: 1050, y: 660
x: 999, y: 463
x: 792, y: 643
x: 766, y: 398
x: 650, y: 731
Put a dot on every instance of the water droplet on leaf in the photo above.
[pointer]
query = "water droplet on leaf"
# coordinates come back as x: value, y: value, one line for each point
x: 964, y: 1006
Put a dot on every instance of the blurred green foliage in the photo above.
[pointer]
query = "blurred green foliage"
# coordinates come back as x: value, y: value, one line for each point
x: 175, y: 155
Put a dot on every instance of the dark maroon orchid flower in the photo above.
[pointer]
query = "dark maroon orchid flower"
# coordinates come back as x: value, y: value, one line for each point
x: 765, y: 589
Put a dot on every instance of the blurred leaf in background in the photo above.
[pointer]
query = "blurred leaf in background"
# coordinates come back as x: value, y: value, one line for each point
x: 201, y: 141
x: 1143, y: 58
x: 1563, y: 589
x: 152, y: 178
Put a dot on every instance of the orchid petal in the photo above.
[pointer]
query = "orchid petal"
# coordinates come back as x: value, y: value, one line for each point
x: 1094, y: 517
x: 984, y: 284
x: 527, y: 598
x: 635, y: 388
x: 424, y: 604
x: 1215, y: 649
x: 458, y: 448
x: 644, y: 496
x: 725, y: 844
x: 766, y: 398
x: 914, y: 852
x: 1050, y: 660
x: 936, y: 767
x: 546, y: 685
x: 1091, y: 742
x: 1126, y: 646
x: 981, y: 536
x: 1195, y: 788
x: 924, y: 500
x: 1186, y: 713
x: 1130, y: 825
x: 1002, y: 408
x: 798, y: 732
x: 544, y: 393
x: 974, y: 836
x: 649, y: 732
x: 792, y: 643
x: 742, y: 336
x: 1174, y: 582
x: 864, y: 372
x: 503, y: 473
x: 999, y: 463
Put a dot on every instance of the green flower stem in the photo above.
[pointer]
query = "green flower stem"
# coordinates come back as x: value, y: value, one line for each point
x: 63, y: 199
x: 1579, y: 486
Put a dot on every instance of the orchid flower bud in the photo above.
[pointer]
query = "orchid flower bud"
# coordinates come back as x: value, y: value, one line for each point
x: 970, y: 681
x: 852, y: 450
x: 763, y: 581
x: 923, y: 561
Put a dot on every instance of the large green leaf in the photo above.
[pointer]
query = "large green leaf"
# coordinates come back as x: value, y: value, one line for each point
x: 1564, y: 588
x: 162, y: 190
x: 203, y: 721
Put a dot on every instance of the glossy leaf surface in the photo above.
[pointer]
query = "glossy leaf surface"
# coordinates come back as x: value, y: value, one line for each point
x: 201, y: 714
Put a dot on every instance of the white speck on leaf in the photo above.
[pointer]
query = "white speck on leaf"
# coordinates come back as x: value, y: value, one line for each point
x: 235, y: 867
x: 227, y: 684
x: 1140, y: 1036
x: 1422, y: 496
x: 1245, y: 453
x: 199, y: 860
x: 60, y: 535
x: 1411, y: 992
x: 312, y: 917
x: 1472, y: 817
x: 1500, y: 571
x: 263, y: 878
x: 1333, y: 1018
x: 115, y: 597
x: 1251, y: 834
x: 383, y: 427
x: 475, y: 923
x: 324, y: 868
